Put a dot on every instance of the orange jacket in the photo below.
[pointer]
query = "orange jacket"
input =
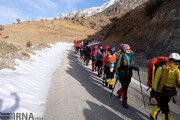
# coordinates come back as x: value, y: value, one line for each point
x: 105, y: 58
x: 108, y: 58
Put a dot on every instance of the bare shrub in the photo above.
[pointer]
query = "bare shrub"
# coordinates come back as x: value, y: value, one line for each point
x: 18, y: 20
x: 28, y: 44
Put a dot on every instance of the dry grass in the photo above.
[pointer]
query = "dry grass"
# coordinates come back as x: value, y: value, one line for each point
x: 45, y: 32
x: 1, y: 27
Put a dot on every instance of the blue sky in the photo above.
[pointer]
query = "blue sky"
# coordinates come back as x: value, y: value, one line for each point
x: 35, y: 9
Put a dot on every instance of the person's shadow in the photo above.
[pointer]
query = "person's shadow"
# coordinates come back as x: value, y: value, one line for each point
x: 93, y: 85
x: 7, y: 113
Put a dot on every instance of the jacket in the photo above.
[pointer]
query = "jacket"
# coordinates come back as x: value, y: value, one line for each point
x: 172, y: 80
x: 122, y: 68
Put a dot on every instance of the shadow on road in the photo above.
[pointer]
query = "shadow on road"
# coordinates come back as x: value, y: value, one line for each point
x: 6, y: 114
x: 93, y: 84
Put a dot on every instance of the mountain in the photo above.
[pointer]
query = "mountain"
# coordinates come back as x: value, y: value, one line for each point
x: 121, y: 7
x: 128, y: 4
x: 149, y: 35
x: 84, y: 13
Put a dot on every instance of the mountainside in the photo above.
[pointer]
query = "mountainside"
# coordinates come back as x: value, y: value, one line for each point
x: 149, y: 36
x: 121, y: 7
x: 103, y: 21
x: 84, y: 13
x: 38, y: 32
x: 111, y: 8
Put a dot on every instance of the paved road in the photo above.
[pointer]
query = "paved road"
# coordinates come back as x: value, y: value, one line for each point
x: 77, y: 94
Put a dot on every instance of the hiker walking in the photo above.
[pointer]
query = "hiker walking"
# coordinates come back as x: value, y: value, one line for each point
x: 124, y: 66
x: 87, y: 52
x: 92, y: 54
x: 99, y: 59
x: 104, y: 63
x: 110, y: 60
x: 81, y: 49
x: 77, y: 44
x: 167, y: 78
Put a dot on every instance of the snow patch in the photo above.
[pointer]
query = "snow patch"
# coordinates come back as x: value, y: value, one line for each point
x: 138, y: 83
x: 25, y: 90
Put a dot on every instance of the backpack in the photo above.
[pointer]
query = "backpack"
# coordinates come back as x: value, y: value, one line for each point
x: 153, y: 64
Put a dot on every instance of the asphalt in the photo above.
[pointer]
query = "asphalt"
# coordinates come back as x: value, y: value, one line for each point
x: 77, y: 93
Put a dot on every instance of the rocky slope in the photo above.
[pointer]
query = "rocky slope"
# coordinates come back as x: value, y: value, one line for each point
x: 104, y: 20
x: 149, y: 36
x: 121, y: 7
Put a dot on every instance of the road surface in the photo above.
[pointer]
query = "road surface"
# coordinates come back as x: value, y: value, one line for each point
x: 77, y: 93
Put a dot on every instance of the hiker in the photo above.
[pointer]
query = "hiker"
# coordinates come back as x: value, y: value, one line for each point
x: 87, y: 52
x: 84, y: 48
x: 99, y: 59
x: 110, y: 60
x: 74, y: 43
x: 92, y: 54
x: 167, y: 78
x: 77, y: 46
x: 104, y: 62
x: 124, y: 66
x: 120, y: 51
x: 81, y: 50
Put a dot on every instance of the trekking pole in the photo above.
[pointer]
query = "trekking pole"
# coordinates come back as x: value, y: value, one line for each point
x: 174, y: 101
x: 141, y: 90
x: 113, y: 87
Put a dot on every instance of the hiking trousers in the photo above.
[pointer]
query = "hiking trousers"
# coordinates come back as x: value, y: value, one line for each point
x: 124, y: 83
x: 163, y: 103
x: 110, y: 75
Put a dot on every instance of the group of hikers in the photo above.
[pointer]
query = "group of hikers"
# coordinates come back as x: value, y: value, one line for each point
x: 163, y: 75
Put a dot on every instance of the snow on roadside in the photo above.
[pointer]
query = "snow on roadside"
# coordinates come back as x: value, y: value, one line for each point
x: 138, y: 83
x: 25, y: 90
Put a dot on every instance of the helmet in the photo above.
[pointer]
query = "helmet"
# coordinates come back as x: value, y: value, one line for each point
x: 112, y: 48
x: 174, y: 56
x: 107, y: 47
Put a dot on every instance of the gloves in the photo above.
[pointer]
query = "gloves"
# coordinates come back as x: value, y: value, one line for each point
x: 116, y: 76
x: 152, y: 93
x: 138, y: 69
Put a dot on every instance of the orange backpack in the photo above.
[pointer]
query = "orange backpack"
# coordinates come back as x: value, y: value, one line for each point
x: 156, y: 62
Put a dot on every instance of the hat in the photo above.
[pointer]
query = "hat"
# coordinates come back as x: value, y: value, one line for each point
x: 107, y: 47
x: 112, y: 48
x: 121, y: 45
x: 125, y: 46
x: 174, y: 56
x: 96, y: 46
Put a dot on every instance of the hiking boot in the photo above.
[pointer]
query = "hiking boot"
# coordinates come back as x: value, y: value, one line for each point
x: 125, y: 106
x: 110, y: 87
x: 151, y: 118
x: 119, y: 92
x: 106, y: 84
x: 154, y: 113
x: 124, y: 99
